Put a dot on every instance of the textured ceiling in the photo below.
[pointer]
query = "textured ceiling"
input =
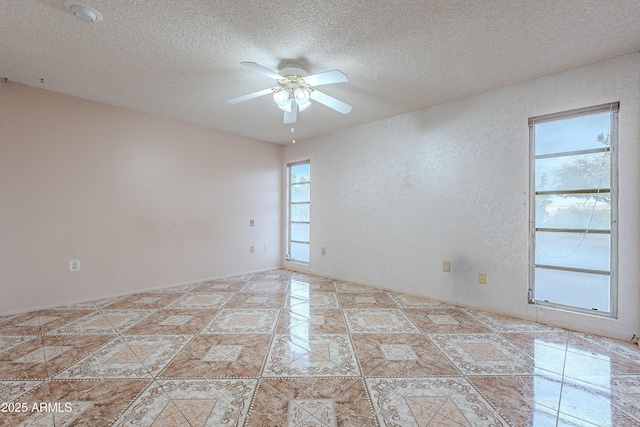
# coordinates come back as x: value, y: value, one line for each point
x: 181, y: 59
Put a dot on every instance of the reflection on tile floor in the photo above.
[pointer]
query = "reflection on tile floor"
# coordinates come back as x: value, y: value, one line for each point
x: 280, y: 348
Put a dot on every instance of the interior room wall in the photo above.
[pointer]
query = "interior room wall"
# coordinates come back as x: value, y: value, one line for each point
x: 392, y: 200
x: 141, y: 201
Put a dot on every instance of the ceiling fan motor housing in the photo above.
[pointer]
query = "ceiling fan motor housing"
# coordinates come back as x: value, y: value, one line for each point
x: 292, y: 68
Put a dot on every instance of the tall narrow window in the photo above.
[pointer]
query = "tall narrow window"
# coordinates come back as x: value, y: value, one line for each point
x: 299, y: 211
x: 573, y: 215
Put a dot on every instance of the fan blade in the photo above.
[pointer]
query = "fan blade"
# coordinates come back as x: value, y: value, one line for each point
x: 334, y: 76
x: 262, y: 70
x: 291, y: 116
x: 250, y: 96
x: 331, y: 102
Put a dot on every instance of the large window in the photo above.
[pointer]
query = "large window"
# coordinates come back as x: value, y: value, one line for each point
x: 573, y: 215
x: 299, y: 211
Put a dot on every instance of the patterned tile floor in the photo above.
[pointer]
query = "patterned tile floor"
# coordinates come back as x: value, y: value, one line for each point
x: 280, y: 348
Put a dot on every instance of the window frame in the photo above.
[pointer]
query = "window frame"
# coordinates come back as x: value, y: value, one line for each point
x: 612, y: 108
x: 290, y: 222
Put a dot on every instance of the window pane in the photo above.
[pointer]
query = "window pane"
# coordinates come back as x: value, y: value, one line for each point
x: 573, y: 250
x: 561, y: 167
x: 300, y: 173
x: 300, y: 212
x: 300, y: 251
x: 581, y: 172
x: 575, y: 289
x: 578, y: 211
x: 300, y: 232
x: 300, y: 192
x: 579, y: 133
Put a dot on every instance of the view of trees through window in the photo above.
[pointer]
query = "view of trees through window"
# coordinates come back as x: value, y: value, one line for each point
x: 573, y: 216
x: 299, y: 211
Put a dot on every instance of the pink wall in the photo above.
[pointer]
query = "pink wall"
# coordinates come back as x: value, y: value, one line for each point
x: 140, y: 200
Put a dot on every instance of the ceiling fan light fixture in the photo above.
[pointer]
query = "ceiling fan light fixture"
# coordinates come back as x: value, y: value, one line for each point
x: 301, y: 96
x: 281, y: 97
x: 286, y: 106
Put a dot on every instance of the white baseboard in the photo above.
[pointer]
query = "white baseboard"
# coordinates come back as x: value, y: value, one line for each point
x: 122, y: 294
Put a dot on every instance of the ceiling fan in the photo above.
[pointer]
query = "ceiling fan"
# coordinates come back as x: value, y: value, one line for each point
x: 295, y: 90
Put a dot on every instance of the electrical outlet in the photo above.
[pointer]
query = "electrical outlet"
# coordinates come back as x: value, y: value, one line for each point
x: 446, y: 266
x: 266, y: 248
x: 74, y: 265
x: 253, y: 249
x: 324, y: 250
x: 482, y: 278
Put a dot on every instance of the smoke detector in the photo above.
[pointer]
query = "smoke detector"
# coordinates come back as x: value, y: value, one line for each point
x: 82, y: 11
